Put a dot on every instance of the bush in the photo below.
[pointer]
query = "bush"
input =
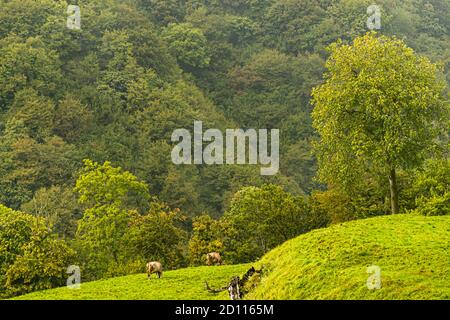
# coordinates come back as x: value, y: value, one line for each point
x: 264, y: 218
x: 31, y: 258
x: 59, y: 206
x: 431, y: 188
x: 42, y: 265
x: 187, y: 44
x: 158, y: 236
x: 208, y: 235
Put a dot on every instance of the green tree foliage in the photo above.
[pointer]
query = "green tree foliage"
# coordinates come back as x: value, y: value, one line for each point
x: 31, y: 115
x: 187, y: 44
x: 431, y: 188
x: 60, y: 208
x: 112, y: 197
x: 30, y: 257
x: 42, y: 265
x: 180, y: 189
x: 72, y: 120
x: 334, y: 204
x: 28, y: 165
x: 164, y: 11
x: 158, y: 236
x: 264, y: 218
x: 101, y: 240
x: 269, y: 88
x: 105, y: 185
x: 208, y: 235
x: 295, y: 26
x: 379, y: 109
x: 115, y: 90
x: 26, y: 64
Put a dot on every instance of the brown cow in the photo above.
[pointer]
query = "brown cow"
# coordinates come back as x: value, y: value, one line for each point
x: 154, y: 267
x: 213, y: 258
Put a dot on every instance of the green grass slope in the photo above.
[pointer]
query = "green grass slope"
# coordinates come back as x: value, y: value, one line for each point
x: 413, y: 253
x: 179, y: 284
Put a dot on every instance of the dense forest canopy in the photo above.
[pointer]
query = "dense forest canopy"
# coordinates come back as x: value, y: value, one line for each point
x: 86, y: 118
x: 114, y: 90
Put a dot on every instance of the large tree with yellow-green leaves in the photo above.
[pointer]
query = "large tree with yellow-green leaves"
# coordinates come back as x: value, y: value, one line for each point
x: 380, y: 106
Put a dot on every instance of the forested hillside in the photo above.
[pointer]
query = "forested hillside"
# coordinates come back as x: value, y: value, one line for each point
x: 86, y: 118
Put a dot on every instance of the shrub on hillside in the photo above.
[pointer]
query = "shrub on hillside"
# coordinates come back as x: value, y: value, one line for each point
x: 264, y: 218
x: 208, y: 235
x: 31, y: 257
x: 431, y: 188
x: 158, y: 236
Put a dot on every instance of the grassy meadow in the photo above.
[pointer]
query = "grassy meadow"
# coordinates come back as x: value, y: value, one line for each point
x: 413, y: 253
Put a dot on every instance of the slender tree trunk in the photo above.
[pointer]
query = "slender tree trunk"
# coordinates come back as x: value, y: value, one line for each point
x: 394, y: 191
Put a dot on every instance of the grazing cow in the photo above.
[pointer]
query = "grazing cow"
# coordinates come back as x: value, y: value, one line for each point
x: 154, y: 267
x: 213, y: 258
